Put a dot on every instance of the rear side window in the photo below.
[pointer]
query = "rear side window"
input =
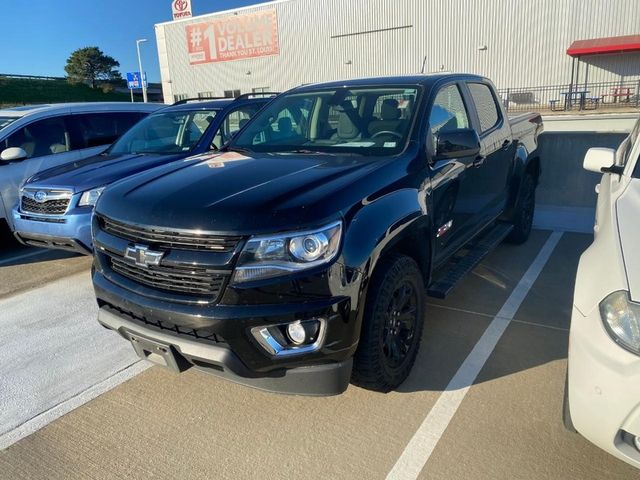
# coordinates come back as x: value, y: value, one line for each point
x: 43, y: 137
x: 448, y: 111
x: 97, y: 129
x: 486, y: 107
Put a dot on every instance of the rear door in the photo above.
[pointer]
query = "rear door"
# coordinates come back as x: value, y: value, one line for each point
x: 492, y: 174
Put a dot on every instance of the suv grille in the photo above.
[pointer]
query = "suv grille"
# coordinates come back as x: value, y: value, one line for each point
x: 195, y: 281
x: 165, y: 239
x: 49, y: 207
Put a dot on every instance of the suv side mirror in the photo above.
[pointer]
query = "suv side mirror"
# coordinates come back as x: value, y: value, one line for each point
x: 602, y: 160
x: 463, y: 142
x: 13, y: 154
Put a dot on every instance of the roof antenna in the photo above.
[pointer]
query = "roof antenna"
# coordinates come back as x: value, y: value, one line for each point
x: 424, y: 64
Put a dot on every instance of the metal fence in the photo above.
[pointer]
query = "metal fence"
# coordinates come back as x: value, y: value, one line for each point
x: 561, y: 98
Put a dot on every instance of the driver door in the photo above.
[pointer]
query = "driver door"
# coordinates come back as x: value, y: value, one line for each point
x: 456, y: 210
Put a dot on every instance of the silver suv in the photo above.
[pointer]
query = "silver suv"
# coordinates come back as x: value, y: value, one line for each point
x: 37, y: 137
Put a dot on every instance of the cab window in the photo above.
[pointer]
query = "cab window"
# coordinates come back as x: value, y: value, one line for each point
x: 486, y: 106
x: 448, y: 112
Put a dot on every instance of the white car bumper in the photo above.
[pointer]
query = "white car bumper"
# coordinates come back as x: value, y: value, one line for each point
x: 604, y: 388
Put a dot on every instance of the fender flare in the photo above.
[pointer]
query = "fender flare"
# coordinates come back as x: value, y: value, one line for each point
x: 380, y: 225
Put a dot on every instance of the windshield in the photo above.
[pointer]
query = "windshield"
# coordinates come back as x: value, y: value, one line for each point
x: 5, y: 121
x: 371, y: 121
x: 164, y: 133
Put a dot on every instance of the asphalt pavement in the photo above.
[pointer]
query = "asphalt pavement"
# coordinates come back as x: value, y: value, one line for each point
x: 483, y: 402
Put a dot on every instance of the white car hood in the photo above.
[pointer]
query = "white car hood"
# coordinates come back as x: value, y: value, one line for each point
x: 628, y: 209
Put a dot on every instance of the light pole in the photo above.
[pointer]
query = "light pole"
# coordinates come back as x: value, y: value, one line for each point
x: 144, y: 87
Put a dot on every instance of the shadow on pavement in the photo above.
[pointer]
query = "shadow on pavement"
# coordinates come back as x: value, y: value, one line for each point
x: 453, y: 327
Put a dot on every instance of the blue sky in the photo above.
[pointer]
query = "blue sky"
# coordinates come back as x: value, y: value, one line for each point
x: 37, y: 36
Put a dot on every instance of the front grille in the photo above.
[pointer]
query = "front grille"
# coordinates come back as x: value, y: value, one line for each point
x: 166, y: 239
x: 49, y: 207
x: 194, y: 281
x: 198, y: 333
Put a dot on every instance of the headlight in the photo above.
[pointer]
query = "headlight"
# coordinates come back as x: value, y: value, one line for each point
x: 273, y: 256
x: 90, y: 197
x: 621, y: 318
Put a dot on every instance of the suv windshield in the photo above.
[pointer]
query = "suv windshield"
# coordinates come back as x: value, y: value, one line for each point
x: 168, y: 132
x: 5, y: 121
x: 371, y: 121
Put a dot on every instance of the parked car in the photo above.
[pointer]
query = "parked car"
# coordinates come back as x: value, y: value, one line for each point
x: 602, y: 396
x: 56, y: 205
x: 37, y: 137
x: 299, y: 257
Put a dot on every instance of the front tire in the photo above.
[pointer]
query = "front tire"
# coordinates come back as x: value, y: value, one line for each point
x: 392, y: 325
x: 525, y: 209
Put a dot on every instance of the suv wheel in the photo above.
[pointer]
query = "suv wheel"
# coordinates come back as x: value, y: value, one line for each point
x: 392, y: 325
x: 523, y: 217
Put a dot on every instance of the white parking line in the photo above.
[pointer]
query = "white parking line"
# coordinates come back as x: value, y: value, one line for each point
x: 424, y: 441
x: 48, y: 416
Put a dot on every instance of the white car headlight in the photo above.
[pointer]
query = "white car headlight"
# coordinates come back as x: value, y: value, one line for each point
x: 276, y: 255
x: 621, y: 318
x: 90, y: 197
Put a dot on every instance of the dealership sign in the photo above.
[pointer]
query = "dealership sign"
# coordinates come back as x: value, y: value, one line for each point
x: 181, y: 9
x: 234, y: 37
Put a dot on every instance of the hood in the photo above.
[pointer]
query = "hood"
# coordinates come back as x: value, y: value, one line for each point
x: 628, y: 207
x: 236, y: 193
x: 97, y: 171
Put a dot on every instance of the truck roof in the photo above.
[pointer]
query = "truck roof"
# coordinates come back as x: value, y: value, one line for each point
x: 426, y: 79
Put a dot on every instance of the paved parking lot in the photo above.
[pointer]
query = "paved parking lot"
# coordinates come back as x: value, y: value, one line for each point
x: 504, y: 424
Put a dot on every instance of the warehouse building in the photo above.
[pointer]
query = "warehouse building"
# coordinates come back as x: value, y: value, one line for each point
x: 525, y: 46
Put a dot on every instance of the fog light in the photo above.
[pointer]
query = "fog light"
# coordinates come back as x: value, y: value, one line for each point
x: 297, y: 333
x: 636, y: 441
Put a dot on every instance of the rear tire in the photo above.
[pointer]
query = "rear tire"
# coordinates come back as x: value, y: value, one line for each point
x: 523, y: 216
x: 392, y: 325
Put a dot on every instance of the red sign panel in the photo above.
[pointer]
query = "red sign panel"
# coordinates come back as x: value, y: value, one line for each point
x: 232, y: 38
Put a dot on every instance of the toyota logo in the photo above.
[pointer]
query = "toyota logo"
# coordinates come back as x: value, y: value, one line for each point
x: 180, y: 5
x: 40, y: 197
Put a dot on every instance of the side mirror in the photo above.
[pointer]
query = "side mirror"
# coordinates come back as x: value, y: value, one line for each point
x: 463, y: 142
x: 13, y: 154
x: 601, y: 160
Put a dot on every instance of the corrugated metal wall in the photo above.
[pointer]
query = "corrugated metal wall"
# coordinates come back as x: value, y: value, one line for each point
x: 526, y: 42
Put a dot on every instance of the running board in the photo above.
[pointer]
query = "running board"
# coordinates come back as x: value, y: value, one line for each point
x: 460, y: 265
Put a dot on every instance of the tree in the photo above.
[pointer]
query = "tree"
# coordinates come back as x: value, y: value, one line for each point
x: 91, y: 65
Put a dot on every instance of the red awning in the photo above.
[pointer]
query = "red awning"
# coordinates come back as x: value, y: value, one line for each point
x: 599, y: 46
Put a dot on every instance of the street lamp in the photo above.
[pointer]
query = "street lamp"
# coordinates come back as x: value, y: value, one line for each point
x: 144, y: 87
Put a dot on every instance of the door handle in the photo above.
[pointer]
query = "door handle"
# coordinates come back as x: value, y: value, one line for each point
x: 506, y: 144
x: 478, y: 161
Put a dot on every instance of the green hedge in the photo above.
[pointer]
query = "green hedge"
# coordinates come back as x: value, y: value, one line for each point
x: 19, y: 91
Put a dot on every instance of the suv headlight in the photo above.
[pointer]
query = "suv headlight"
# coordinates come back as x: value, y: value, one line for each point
x: 621, y: 318
x: 90, y: 197
x: 276, y: 255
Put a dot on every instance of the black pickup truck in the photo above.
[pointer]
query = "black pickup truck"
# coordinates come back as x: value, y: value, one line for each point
x: 298, y: 258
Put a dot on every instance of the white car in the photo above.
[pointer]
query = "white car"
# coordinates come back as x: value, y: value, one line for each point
x: 37, y: 137
x: 602, y: 397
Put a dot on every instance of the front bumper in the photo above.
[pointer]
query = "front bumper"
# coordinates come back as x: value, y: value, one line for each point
x: 604, y: 388
x: 326, y: 379
x: 71, y: 231
x: 218, y: 338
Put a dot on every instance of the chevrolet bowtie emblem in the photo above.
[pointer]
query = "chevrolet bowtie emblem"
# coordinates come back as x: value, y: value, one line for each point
x: 142, y: 256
